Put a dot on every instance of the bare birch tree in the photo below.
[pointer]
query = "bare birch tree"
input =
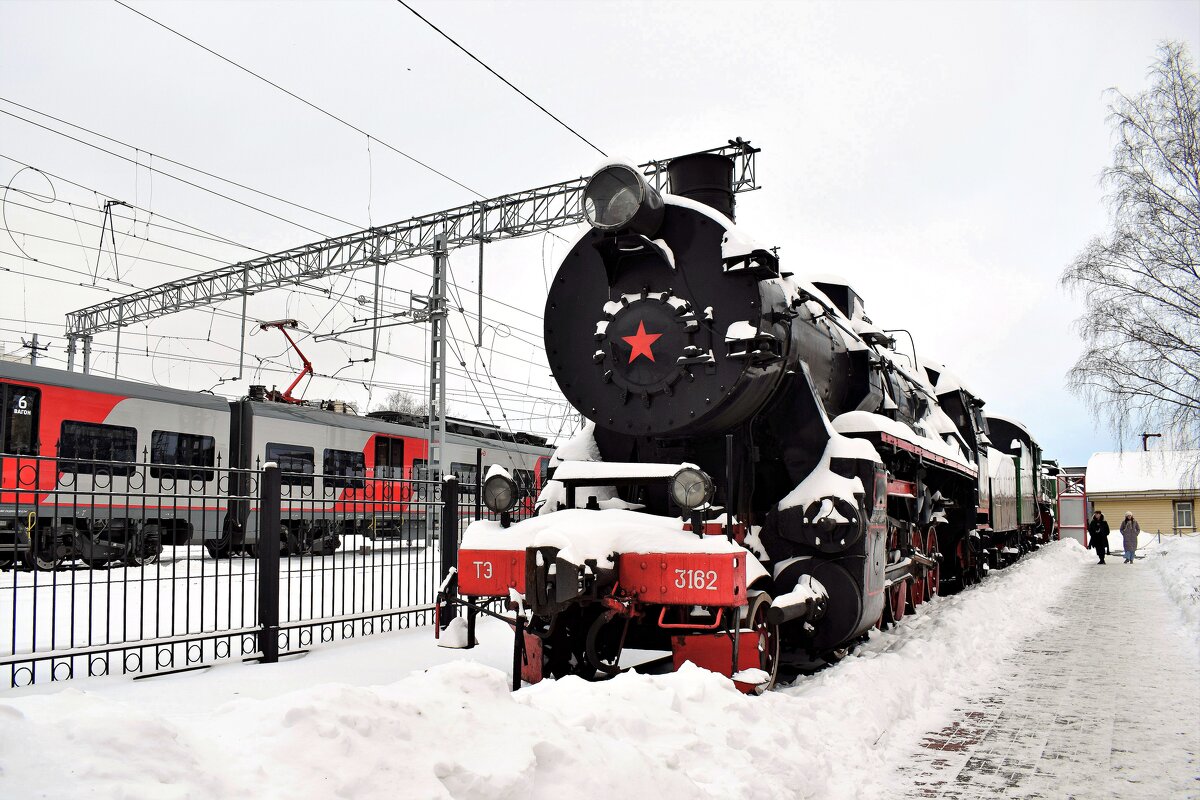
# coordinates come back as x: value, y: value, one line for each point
x: 1140, y: 367
x: 403, y: 402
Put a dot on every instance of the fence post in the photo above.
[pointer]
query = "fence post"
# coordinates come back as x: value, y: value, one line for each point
x: 449, y: 548
x: 268, y: 563
x: 478, y: 488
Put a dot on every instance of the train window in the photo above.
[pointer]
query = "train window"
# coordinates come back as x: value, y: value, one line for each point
x: 421, y: 471
x: 468, y: 478
x: 524, y: 479
x: 424, y: 476
x: 19, y: 422
x: 344, y: 468
x: 389, y: 457
x: 296, y: 463
x: 86, y: 447
x: 170, y: 450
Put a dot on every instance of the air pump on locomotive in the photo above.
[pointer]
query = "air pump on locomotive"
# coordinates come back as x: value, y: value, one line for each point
x: 763, y: 477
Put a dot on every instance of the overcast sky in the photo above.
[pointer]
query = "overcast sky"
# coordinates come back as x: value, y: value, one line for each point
x: 944, y: 157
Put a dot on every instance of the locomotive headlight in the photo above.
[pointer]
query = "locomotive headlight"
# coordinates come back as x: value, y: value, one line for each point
x: 618, y: 198
x: 691, y: 488
x: 499, y: 493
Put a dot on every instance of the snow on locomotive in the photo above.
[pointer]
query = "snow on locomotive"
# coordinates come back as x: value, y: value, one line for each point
x: 763, y: 477
x: 105, y: 471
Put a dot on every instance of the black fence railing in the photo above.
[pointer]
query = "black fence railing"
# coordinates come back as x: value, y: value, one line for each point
x: 133, y: 568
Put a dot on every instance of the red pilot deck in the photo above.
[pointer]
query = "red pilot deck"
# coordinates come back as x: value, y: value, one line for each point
x: 490, y: 573
x: 707, y: 579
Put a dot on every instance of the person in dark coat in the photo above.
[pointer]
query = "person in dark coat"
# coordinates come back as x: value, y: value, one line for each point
x: 1129, y: 536
x: 1098, y: 530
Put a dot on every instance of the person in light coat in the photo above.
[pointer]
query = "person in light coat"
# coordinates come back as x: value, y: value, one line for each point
x: 1129, y: 535
x: 1098, y: 531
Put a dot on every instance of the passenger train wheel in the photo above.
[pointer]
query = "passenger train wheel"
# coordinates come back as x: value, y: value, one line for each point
x: 42, y: 561
x: 916, y: 588
x: 143, y: 555
x: 766, y: 640
x: 933, y: 577
x: 44, y: 553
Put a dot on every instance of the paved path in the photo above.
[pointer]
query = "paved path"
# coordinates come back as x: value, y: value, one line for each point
x: 1100, y: 705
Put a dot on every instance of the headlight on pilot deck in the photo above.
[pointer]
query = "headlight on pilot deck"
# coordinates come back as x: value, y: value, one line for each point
x: 499, y: 493
x: 691, y: 488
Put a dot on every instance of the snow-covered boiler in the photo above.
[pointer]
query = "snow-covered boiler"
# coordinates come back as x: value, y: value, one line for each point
x: 763, y: 477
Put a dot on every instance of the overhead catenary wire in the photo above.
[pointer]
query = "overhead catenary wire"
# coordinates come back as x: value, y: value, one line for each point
x: 202, y: 233
x: 308, y: 103
x: 193, y: 184
x: 506, y: 81
x: 206, y: 173
x: 97, y: 192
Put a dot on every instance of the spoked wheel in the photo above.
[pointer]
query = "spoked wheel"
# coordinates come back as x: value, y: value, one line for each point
x: 962, y: 560
x: 933, y: 576
x: 766, y: 640
x: 916, y: 588
x: 605, y: 639
x: 893, y: 607
x: 564, y: 650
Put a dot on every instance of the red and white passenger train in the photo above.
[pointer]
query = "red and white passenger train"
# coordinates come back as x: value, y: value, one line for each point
x: 105, y: 470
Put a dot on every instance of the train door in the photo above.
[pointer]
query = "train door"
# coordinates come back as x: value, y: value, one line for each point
x: 19, y: 437
x: 18, y: 427
x: 389, y: 457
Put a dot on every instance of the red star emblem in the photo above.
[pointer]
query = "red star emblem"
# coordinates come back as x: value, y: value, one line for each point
x: 640, y: 342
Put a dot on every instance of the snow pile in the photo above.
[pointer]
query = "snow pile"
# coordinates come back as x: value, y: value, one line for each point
x: 1177, y: 560
x: 455, y: 731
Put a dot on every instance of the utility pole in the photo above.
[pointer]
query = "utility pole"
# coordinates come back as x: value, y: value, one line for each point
x: 87, y: 355
x: 34, y: 349
x: 437, y: 359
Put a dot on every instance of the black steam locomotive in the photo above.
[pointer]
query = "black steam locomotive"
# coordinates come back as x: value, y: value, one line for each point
x: 765, y: 476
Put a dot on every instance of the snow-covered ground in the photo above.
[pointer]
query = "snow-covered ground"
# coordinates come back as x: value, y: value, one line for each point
x: 1177, y: 560
x: 187, y: 593
x: 393, y: 716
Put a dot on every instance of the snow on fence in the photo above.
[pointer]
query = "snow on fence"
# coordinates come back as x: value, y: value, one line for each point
x: 214, y: 564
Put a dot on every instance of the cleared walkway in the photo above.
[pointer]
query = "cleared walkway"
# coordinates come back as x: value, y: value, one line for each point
x: 1104, y: 704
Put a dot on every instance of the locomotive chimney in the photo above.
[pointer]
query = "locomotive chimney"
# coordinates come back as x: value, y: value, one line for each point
x: 706, y: 178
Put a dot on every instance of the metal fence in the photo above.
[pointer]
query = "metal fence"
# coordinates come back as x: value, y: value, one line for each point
x: 113, y: 568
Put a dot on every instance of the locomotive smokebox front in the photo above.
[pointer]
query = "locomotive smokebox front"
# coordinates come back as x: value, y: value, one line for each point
x: 664, y: 319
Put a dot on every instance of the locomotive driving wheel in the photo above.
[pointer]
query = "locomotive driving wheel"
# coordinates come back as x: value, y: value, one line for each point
x: 766, y: 640
x: 893, y: 609
x: 962, y: 560
x: 916, y: 588
x: 933, y: 576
